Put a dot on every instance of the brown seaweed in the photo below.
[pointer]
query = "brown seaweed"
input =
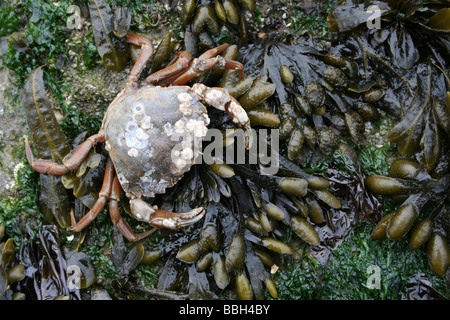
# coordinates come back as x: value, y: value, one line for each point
x: 317, y: 104
x: 418, y: 195
x: 50, y: 143
x: 419, y: 128
x: 46, y: 276
x: 401, y: 36
x: 105, y: 23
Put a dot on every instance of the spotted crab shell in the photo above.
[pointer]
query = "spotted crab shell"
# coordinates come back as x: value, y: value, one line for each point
x: 153, y: 136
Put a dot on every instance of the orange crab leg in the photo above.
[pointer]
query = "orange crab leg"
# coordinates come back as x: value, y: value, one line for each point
x: 99, y: 205
x: 50, y: 167
x: 144, y: 56
x: 229, y: 64
x: 180, y: 64
x: 235, y: 65
x: 213, y: 52
x: 110, y: 191
x: 207, y: 61
x: 121, y: 225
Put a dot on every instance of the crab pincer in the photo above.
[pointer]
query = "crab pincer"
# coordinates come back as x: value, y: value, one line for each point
x: 142, y: 211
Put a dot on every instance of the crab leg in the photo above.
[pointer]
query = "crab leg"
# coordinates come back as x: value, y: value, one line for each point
x: 207, y: 61
x: 99, y: 205
x: 229, y: 64
x: 50, y: 167
x: 117, y: 219
x: 180, y: 64
x: 235, y: 65
x: 110, y: 191
x: 220, y: 99
x: 144, y: 56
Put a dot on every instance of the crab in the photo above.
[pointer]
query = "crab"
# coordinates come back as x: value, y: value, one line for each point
x: 141, y: 131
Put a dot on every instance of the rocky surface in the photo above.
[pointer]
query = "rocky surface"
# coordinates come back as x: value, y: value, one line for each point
x: 12, y: 129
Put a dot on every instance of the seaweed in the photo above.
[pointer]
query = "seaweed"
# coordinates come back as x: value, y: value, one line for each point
x: 418, y: 196
x: 408, y: 64
x: 47, y: 272
x: 263, y: 236
x: 401, y: 26
x: 423, y: 120
x: 315, y: 96
x: 50, y: 143
x: 109, y: 28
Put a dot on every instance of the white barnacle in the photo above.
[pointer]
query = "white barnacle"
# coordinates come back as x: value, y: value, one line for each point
x: 168, y: 128
x: 175, y: 153
x: 141, y: 135
x: 213, y: 95
x: 180, y: 156
x: 199, y: 88
x: 133, y: 141
x: 138, y: 116
x: 168, y: 223
x: 146, y: 123
x: 130, y: 139
x: 135, y: 137
x: 217, y: 98
x: 131, y: 126
x: 186, y: 153
x: 186, y: 109
x: 179, y: 126
x: 120, y: 137
x: 197, y: 128
x: 137, y: 107
x: 184, y: 97
x: 239, y: 114
x: 138, y: 111
x: 133, y: 152
x: 146, y: 182
x: 207, y: 120
x: 180, y: 163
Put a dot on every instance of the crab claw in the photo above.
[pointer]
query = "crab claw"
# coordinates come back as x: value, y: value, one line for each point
x: 172, y: 220
x: 142, y: 211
